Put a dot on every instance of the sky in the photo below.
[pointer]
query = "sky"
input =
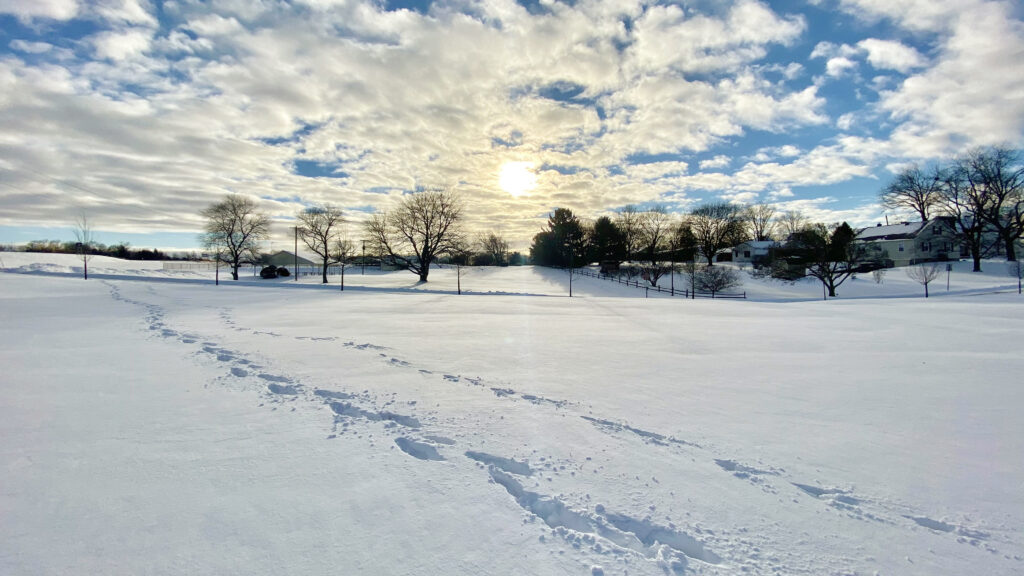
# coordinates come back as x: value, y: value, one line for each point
x: 138, y: 114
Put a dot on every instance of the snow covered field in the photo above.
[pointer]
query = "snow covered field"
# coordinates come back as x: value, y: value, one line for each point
x: 156, y: 424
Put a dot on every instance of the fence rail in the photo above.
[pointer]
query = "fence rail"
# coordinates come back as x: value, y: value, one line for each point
x: 685, y: 293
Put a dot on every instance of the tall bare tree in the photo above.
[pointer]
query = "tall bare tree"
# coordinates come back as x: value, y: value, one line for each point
x: 997, y: 175
x: 628, y: 222
x: 423, y: 226
x: 760, y: 221
x: 792, y: 221
x: 495, y: 246
x: 234, y: 229
x: 320, y: 227
x: 964, y: 203
x: 655, y: 240
x: 914, y: 189
x: 715, y: 226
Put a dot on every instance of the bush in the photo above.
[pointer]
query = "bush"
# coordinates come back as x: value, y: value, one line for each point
x: 269, y: 272
x: 283, y: 272
x: 714, y: 279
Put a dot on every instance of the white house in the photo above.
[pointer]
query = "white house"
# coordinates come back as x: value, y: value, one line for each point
x: 753, y: 251
x: 909, y: 243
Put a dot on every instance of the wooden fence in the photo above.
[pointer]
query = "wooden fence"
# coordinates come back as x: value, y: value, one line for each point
x: 685, y: 293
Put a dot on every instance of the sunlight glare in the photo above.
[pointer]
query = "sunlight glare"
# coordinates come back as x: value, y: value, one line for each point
x: 517, y: 178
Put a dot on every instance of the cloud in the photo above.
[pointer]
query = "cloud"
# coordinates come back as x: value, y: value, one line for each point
x: 970, y: 96
x: 144, y: 123
x: 838, y: 66
x: 916, y: 15
x: 720, y: 161
x: 31, y: 47
x: 122, y: 45
x: 50, y: 9
x: 891, y: 55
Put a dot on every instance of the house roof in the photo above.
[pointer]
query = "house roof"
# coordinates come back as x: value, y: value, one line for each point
x: 283, y: 258
x: 903, y: 230
x: 758, y: 244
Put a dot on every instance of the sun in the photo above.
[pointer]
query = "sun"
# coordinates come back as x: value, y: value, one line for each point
x: 517, y: 178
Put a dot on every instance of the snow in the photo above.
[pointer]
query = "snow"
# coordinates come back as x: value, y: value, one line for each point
x: 156, y: 423
x: 903, y: 229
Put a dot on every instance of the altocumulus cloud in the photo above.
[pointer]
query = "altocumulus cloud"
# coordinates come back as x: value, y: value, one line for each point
x: 140, y: 114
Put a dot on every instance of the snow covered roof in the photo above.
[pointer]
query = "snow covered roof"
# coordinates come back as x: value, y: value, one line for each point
x: 758, y: 244
x: 283, y: 258
x: 892, y: 231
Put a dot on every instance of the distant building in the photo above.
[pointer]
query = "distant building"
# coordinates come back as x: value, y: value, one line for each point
x: 284, y: 258
x: 756, y: 252
x: 909, y: 243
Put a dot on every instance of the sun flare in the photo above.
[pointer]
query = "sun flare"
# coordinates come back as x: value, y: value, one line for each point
x: 517, y: 178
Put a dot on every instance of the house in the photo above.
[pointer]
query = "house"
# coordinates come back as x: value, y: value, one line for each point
x: 756, y: 252
x: 909, y: 243
x: 284, y: 258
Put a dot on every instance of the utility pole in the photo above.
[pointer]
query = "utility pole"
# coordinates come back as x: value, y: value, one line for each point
x: 363, y: 271
x: 296, y: 254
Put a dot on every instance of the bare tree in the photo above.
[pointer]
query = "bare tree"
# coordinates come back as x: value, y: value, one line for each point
x: 655, y: 239
x: 234, y: 229
x: 964, y: 203
x: 924, y: 274
x: 997, y: 175
x: 342, y: 252
x: 319, y: 229
x: 628, y: 222
x: 715, y: 226
x: 914, y: 189
x: 494, y: 246
x: 84, y: 242
x: 423, y: 226
x: 460, y: 252
x: 791, y: 222
x: 760, y: 221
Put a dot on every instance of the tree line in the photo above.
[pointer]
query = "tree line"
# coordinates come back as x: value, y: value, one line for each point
x: 982, y: 191
x: 424, y: 227
x: 121, y: 250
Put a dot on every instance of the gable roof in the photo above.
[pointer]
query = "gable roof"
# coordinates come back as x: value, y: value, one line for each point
x: 758, y: 244
x: 901, y: 231
x: 283, y: 258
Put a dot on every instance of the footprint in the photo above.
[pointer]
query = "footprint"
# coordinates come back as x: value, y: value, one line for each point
x: 418, y: 449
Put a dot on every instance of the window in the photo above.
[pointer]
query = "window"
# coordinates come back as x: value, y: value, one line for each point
x: 926, y: 246
x: 901, y: 247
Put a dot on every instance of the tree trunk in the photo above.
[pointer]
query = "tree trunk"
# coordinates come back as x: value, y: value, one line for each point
x: 1011, y: 250
x: 423, y: 275
x: 976, y: 256
x: 325, y: 271
x: 925, y: 289
x: 234, y: 271
x: 831, y: 289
